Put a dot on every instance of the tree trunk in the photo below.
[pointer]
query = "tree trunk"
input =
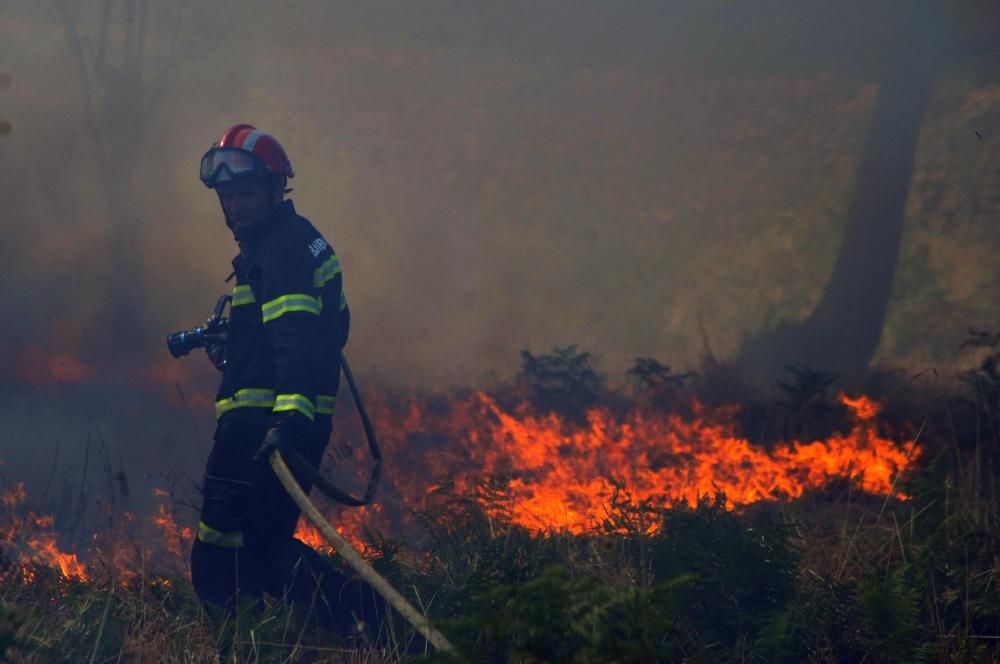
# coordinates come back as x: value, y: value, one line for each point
x: 843, y: 331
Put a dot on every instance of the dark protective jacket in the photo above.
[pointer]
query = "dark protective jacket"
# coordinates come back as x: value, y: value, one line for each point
x: 288, y: 324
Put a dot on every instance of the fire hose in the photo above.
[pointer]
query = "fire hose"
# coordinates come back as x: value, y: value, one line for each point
x: 340, y: 545
x: 320, y: 482
x: 355, y: 560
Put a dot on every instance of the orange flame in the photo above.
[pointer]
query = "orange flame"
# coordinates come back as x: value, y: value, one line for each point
x: 176, y: 539
x: 349, y: 523
x: 33, y: 539
x: 305, y: 532
x: 115, y: 555
x: 864, y: 408
x: 563, y: 477
x: 565, y: 480
x: 560, y: 476
x: 48, y: 553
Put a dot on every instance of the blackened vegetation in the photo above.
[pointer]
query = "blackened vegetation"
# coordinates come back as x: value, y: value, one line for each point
x: 805, y: 410
x: 562, y: 381
x: 655, y: 383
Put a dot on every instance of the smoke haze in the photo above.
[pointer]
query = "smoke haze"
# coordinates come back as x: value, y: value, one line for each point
x: 502, y: 176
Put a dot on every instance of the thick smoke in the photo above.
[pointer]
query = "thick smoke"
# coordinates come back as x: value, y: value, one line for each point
x: 494, y: 177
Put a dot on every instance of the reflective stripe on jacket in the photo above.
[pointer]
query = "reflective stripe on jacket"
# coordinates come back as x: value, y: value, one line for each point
x: 284, y: 339
x: 258, y: 398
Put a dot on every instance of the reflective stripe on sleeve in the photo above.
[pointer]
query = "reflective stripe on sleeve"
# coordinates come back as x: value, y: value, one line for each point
x: 246, y: 398
x: 327, y: 271
x: 242, y: 295
x: 298, y: 402
x: 287, y: 303
x: 325, y: 404
x: 210, y: 535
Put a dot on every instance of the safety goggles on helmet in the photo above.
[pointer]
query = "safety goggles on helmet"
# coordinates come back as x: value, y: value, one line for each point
x: 225, y: 164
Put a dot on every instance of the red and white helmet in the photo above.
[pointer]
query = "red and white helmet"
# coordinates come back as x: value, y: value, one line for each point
x: 244, y: 150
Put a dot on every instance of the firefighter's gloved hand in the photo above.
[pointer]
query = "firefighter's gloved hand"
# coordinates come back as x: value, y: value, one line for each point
x: 285, y: 433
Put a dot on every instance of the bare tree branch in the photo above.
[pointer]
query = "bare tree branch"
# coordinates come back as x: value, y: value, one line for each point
x: 158, y: 84
x: 76, y: 49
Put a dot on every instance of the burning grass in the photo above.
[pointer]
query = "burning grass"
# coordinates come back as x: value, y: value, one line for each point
x: 559, y: 520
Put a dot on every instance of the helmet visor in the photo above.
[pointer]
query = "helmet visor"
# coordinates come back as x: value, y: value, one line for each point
x: 224, y: 164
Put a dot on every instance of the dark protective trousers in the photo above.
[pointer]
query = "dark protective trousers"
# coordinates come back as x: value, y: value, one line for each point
x: 246, y: 547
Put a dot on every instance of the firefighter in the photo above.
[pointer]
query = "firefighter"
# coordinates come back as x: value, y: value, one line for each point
x: 288, y: 324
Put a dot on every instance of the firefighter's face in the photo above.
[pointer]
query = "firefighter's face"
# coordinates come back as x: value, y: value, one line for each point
x: 247, y: 203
